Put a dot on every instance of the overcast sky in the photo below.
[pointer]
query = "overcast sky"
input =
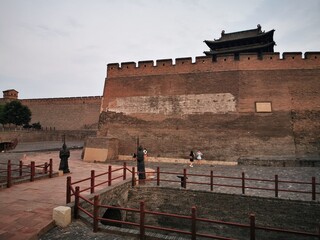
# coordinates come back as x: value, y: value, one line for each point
x: 60, y: 48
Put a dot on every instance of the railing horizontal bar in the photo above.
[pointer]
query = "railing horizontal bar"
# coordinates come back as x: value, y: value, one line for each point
x: 287, y: 231
x: 259, y: 179
x: 297, y: 182
x: 117, y: 221
x: 199, y: 183
x: 117, y: 178
x: 259, y: 188
x: 115, y: 170
x: 85, y: 211
x: 214, y: 236
x: 224, y: 223
x: 83, y: 180
x: 167, y: 214
x: 98, y: 184
x: 101, y: 174
x: 120, y: 208
x: 293, y: 191
x: 172, y: 173
x: 85, y: 189
x: 167, y: 229
x: 86, y: 199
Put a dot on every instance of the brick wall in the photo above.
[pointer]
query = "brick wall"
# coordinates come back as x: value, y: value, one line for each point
x: 271, y: 212
x: 210, y: 106
x: 65, y: 113
x: 37, y: 136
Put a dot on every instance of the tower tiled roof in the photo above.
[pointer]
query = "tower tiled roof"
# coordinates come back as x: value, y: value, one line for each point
x: 252, y: 40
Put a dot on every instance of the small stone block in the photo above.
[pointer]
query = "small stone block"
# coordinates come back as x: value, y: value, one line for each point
x: 62, y: 216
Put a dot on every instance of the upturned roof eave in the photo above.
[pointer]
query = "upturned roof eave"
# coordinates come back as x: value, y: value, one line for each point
x: 219, y: 42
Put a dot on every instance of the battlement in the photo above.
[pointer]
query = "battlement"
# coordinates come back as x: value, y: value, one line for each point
x: 268, y: 61
x: 86, y: 99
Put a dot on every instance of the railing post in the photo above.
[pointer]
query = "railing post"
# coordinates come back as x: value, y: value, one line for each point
x: 92, y: 182
x: 276, y: 187
x: 211, y: 180
x: 32, y: 171
x: 9, y: 180
x: 50, y: 168
x: 124, y: 170
x: 193, y: 223
x: 95, y: 213
x: 313, y: 188
x: 133, y: 177
x: 243, y: 184
x: 109, y: 176
x: 76, y: 203
x: 158, y: 176
x: 20, y: 168
x: 142, y: 216
x: 68, y: 194
x: 184, y: 178
x: 252, y: 227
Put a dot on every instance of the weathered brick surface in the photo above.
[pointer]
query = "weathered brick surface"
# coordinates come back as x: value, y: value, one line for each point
x: 65, y: 113
x: 271, y: 212
x: 153, y: 103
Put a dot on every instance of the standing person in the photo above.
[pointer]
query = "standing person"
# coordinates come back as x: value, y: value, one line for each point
x: 199, y: 156
x: 140, y: 164
x: 145, y: 154
x: 64, y: 154
x: 191, y: 157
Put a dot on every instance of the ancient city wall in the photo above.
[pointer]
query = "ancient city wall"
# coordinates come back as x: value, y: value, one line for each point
x: 211, y: 106
x: 74, y: 113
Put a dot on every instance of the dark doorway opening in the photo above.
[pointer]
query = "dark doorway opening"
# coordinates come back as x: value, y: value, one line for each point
x: 113, y: 214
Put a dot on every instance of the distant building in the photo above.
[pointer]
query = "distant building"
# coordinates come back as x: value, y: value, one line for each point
x: 9, y: 95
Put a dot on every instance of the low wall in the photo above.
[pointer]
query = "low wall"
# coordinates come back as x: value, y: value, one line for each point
x: 37, y: 136
x: 271, y: 212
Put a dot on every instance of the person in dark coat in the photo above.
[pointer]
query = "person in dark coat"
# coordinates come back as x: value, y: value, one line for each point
x: 140, y: 163
x: 64, y: 155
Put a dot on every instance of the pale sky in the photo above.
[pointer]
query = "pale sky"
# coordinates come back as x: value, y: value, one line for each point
x: 60, y: 48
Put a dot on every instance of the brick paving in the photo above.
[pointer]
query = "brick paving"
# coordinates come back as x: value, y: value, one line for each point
x: 26, y: 209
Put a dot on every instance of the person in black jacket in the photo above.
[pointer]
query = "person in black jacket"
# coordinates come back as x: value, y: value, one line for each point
x: 140, y: 163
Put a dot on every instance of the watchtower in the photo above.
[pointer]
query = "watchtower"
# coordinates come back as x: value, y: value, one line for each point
x: 10, y: 94
x: 248, y: 41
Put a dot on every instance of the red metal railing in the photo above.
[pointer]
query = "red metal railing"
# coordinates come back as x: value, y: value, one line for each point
x: 252, y: 227
x: 194, y: 220
x: 242, y: 182
x: 105, y: 178
x: 13, y: 172
x: 208, y: 179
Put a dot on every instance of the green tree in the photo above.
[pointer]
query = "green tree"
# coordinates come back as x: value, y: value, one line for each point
x: 16, y: 113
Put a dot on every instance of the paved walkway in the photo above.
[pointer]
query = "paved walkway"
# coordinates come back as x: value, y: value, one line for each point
x: 26, y: 209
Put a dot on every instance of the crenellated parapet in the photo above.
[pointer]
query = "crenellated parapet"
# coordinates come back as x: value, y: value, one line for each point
x: 268, y: 61
x: 85, y: 99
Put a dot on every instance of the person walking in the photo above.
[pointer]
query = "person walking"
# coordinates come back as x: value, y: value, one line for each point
x: 191, y: 157
x: 199, y: 156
